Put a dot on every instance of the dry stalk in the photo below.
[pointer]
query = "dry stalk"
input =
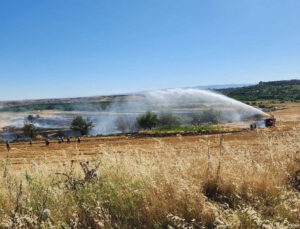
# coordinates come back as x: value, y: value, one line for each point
x: 208, y: 161
x: 296, y: 176
x: 9, y: 187
x: 43, y: 206
x: 5, y: 166
x: 18, y: 205
x: 220, y: 156
x: 89, y: 175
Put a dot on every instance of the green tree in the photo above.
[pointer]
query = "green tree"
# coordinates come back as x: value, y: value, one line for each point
x: 31, y: 119
x: 167, y: 118
x: 147, y: 120
x: 29, y: 130
x: 82, y: 125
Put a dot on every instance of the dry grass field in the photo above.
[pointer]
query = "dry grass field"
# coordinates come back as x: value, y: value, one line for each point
x: 238, y: 180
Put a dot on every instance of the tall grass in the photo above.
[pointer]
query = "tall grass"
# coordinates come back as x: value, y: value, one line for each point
x: 211, y: 184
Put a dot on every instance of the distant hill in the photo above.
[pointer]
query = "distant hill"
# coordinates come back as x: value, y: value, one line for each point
x: 222, y: 86
x: 284, y: 90
x: 84, y: 103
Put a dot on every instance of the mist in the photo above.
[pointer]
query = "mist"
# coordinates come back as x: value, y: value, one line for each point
x: 184, y: 103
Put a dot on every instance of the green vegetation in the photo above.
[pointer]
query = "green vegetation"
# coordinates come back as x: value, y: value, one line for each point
x: 29, y: 130
x: 265, y: 107
x: 187, y: 128
x: 148, y: 120
x: 82, y: 125
x: 168, y: 118
x: 168, y: 121
x: 285, y: 90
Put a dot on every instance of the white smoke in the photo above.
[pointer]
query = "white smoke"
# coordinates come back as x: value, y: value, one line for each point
x: 182, y: 102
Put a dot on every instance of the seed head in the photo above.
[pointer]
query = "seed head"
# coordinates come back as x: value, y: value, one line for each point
x: 46, y: 213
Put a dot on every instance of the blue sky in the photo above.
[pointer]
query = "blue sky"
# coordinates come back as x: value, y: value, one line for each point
x: 67, y: 48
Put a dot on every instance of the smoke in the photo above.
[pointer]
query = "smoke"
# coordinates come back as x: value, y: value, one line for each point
x: 121, y: 113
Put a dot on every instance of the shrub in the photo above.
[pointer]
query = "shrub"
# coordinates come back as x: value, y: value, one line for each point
x: 82, y: 125
x: 29, y: 130
x: 147, y: 120
x: 167, y: 118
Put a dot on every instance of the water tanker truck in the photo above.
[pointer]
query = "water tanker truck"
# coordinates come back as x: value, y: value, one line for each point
x: 266, y: 122
x: 270, y: 122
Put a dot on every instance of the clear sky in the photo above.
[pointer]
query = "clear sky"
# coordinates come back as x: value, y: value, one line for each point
x: 67, y: 48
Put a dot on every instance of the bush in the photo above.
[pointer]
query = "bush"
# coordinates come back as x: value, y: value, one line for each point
x: 29, y: 130
x: 82, y: 125
x: 167, y: 118
x: 147, y: 120
x: 208, y: 116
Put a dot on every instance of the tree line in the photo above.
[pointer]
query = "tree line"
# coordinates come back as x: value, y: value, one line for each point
x: 284, y: 90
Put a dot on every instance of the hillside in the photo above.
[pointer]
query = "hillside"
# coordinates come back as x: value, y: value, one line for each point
x: 284, y: 90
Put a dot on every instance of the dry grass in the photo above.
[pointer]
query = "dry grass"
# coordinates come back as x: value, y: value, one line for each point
x: 242, y: 180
